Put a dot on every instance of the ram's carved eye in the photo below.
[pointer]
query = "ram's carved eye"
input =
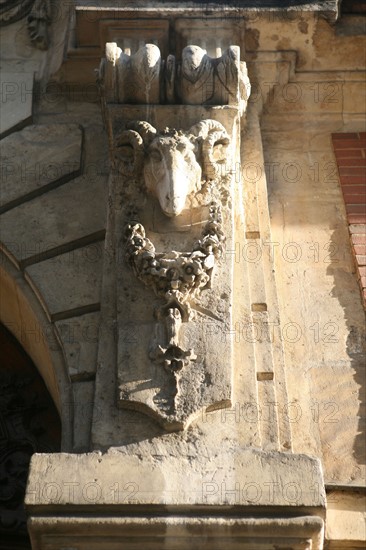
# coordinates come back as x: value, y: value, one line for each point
x: 181, y: 147
x: 125, y: 152
x: 219, y: 152
x: 155, y: 155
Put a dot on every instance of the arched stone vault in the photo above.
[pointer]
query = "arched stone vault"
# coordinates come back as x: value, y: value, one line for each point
x: 53, y: 208
x: 22, y: 314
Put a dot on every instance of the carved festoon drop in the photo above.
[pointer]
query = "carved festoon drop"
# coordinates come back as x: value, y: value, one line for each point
x: 178, y: 278
x: 171, y: 200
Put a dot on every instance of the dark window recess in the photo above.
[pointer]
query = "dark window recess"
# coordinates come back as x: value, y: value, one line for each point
x: 29, y: 423
x: 353, y: 6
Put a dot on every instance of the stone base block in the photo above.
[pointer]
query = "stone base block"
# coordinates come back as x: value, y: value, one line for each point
x: 250, y: 499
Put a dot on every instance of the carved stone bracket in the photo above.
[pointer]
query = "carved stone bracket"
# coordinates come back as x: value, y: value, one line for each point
x: 177, y: 173
x: 171, y: 197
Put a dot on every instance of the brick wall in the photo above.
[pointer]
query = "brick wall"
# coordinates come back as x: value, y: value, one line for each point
x: 350, y: 152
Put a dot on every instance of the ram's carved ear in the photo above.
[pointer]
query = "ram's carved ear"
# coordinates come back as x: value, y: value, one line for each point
x: 125, y: 152
x: 214, y: 141
x: 128, y: 153
x: 197, y: 144
x: 145, y: 129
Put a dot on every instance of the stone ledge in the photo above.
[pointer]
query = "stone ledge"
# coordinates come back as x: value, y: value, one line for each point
x: 153, y: 533
x: 246, y: 477
x: 327, y: 8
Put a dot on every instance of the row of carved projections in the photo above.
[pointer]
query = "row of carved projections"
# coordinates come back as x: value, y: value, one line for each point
x: 197, y: 79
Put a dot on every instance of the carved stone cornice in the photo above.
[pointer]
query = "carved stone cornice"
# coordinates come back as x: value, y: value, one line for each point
x: 328, y: 9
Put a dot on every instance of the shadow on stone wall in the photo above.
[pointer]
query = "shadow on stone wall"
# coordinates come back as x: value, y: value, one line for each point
x: 346, y: 290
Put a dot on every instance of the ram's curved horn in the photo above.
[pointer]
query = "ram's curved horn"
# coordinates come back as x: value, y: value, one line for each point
x: 128, y: 153
x: 211, y: 132
x: 146, y: 131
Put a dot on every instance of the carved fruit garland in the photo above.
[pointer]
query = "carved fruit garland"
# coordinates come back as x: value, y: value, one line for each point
x: 177, y: 277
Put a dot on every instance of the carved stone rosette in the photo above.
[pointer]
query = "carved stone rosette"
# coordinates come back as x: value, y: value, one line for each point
x: 171, y: 197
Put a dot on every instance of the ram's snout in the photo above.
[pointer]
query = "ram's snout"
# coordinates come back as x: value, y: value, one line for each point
x: 171, y: 174
x: 172, y: 193
x: 171, y: 169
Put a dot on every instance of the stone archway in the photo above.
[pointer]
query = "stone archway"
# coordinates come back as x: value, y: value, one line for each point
x: 29, y: 423
x: 23, y: 315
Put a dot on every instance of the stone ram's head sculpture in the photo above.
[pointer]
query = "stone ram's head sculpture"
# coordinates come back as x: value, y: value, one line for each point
x: 172, y: 163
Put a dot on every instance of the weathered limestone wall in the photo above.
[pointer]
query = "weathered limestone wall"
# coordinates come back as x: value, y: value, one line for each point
x: 322, y: 319
x: 321, y: 310
x: 298, y: 321
x: 54, y: 185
